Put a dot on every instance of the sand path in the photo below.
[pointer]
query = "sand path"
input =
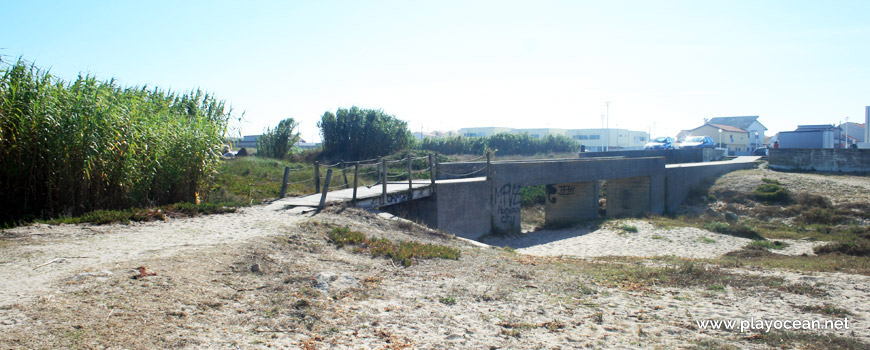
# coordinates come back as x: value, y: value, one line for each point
x: 33, y: 258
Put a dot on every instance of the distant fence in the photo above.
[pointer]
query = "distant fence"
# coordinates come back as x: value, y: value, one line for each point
x: 847, y: 160
x: 672, y: 156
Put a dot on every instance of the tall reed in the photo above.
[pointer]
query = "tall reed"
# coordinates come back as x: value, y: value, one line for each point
x: 70, y: 148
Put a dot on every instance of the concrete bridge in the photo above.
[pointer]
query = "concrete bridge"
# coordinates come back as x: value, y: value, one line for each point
x: 474, y: 206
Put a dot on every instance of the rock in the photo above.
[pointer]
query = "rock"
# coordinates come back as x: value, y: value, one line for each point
x: 729, y: 216
x: 711, y: 213
x: 330, y: 282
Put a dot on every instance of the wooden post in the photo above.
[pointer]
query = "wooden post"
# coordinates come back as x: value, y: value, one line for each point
x: 410, y: 177
x: 316, y: 177
x: 284, y: 183
x: 383, y: 183
x: 325, y: 190
x: 344, y: 173
x: 355, y: 182
x: 431, y: 169
x: 488, y: 165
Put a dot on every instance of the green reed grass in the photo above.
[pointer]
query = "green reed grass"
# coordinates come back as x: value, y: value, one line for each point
x: 71, y: 148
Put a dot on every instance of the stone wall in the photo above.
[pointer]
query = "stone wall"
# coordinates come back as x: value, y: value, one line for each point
x: 815, y: 159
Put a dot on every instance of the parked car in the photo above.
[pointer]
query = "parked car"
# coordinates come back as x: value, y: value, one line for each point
x: 760, y: 151
x: 698, y: 142
x: 660, y: 143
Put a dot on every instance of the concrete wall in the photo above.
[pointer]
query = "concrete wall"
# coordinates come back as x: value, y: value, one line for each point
x: 833, y: 160
x: 508, y: 178
x: 459, y: 207
x: 628, y: 197
x: 672, y: 156
x: 571, y: 203
x: 680, y: 179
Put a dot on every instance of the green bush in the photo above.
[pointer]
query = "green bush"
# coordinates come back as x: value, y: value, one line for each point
x: 278, y: 143
x: 771, y: 193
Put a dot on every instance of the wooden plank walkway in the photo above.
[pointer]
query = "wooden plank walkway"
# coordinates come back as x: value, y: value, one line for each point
x: 370, y: 197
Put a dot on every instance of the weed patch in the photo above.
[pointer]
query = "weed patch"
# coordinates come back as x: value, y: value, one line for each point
x: 403, y: 252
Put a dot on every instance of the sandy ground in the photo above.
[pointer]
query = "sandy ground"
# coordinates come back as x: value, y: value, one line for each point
x: 34, y: 257
x: 69, y: 286
x: 648, y: 241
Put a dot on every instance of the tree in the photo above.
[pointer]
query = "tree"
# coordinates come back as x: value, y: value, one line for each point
x: 279, y: 142
x: 355, y: 134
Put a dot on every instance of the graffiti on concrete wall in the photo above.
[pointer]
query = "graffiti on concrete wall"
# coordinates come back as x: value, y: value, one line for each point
x: 508, y: 199
x: 560, y: 190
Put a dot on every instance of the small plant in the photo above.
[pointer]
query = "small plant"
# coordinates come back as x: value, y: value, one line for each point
x: 771, y: 193
x: 628, y: 228
x: 767, y: 245
x: 706, y: 240
x: 448, y: 300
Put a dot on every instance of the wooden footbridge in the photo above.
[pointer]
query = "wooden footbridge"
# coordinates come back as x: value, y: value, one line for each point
x: 385, y: 191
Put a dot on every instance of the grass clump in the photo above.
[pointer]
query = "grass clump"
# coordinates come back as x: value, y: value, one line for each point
x: 778, y: 245
x: 403, y: 252
x: 628, y: 228
x: 771, y: 193
x: 737, y: 230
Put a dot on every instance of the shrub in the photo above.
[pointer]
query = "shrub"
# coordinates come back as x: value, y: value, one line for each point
x: 822, y: 216
x: 771, y: 193
x: 737, y: 230
x: 856, y: 248
x: 279, y: 142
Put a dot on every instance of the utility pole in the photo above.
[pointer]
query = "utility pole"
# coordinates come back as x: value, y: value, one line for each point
x: 607, y: 112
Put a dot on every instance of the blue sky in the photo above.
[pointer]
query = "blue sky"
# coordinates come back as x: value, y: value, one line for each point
x: 442, y: 65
